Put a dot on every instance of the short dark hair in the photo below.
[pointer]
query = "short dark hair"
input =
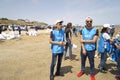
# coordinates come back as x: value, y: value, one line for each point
x: 103, y: 30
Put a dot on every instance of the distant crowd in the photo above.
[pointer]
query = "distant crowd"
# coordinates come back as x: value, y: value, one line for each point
x: 15, y: 31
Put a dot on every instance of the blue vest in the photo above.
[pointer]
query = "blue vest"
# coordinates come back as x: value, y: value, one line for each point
x: 101, y: 44
x: 117, y: 51
x: 88, y: 34
x: 58, y: 36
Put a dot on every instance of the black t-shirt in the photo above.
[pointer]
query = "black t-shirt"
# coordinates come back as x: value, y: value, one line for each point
x: 67, y: 33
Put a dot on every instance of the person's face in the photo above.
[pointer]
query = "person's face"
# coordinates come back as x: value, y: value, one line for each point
x: 89, y: 22
x: 108, y: 30
x: 59, y: 25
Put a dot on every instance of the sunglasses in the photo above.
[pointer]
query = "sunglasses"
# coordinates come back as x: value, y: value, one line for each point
x: 89, y: 21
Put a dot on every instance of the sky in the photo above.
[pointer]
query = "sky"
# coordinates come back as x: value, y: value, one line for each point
x: 75, y: 11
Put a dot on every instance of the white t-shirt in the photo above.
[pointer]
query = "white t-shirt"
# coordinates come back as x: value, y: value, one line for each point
x: 106, y: 36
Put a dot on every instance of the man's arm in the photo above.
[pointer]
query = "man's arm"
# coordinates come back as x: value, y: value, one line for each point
x: 54, y: 42
x: 82, y: 44
x: 94, y: 40
x: 118, y: 47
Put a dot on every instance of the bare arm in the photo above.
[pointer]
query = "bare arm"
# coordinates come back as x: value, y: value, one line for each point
x: 82, y: 45
x: 117, y: 46
x: 54, y: 42
x: 70, y: 37
x: 94, y: 40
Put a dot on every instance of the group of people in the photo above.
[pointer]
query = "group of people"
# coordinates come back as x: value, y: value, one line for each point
x: 19, y: 28
x: 89, y: 38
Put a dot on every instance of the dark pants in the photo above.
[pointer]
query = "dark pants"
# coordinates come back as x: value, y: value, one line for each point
x: 90, y: 55
x: 0, y: 29
x: 54, y: 59
x: 19, y: 32
x: 118, y: 63
x: 68, y: 45
x: 103, y: 60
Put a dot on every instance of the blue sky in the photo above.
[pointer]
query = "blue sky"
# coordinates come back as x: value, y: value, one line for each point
x: 75, y: 11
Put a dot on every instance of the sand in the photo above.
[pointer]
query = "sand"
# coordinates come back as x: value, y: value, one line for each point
x: 29, y: 58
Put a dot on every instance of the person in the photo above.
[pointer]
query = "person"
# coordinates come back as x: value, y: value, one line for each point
x: 68, y: 37
x: 13, y: 27
x: 75, y: 31
x: 54, y: 27
x: 117, y: 55
x: 26, y: 28
x: 104, y: 46
x: 36, y: 28
x: 112, y: 30
x: 79, y: 28
x: 19, y: 29
x: 88, y: 39
x: 57, y: 45
x: 0, y: 28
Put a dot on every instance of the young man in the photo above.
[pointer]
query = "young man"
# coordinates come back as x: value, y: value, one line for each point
x: 57, y: 45
x: 88, y: 39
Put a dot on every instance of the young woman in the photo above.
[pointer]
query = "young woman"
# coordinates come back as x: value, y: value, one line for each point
x: 68, y: 36
x: 104, y: 46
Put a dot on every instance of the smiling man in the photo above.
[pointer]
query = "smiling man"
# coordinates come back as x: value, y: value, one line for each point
x: 88, y: 39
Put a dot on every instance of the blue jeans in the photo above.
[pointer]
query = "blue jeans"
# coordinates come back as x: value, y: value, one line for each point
x: 54, y: 59
x: 68, y: 45
x: 118, y: 63
x: 103, y: 60
x: 90, y: 55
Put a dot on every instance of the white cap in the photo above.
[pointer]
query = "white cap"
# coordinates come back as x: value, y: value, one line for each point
x: 59, y: 21
x: 107, y: 26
